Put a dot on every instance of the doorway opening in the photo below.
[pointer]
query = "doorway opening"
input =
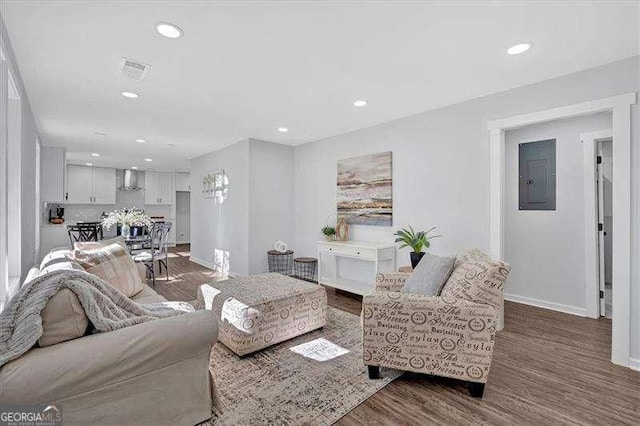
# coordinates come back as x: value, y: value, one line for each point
x: 604, y: 185
x: 620, y: 106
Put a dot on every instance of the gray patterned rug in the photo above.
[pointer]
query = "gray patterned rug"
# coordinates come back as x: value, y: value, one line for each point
x: 313, y: 379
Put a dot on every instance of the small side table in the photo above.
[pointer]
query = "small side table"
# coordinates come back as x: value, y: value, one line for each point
x: 304, y: 268
x: 408, y: 269
x: 280, y: 261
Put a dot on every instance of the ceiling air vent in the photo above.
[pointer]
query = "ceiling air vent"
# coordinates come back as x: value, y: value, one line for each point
x: 133, y: 69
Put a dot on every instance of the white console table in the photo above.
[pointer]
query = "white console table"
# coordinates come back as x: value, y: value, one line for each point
x: 381, y: 257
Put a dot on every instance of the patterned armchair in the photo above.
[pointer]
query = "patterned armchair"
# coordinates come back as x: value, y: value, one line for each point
x: 451, y: 335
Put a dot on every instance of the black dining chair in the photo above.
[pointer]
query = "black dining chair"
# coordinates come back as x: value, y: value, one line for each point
x: 84, y: 232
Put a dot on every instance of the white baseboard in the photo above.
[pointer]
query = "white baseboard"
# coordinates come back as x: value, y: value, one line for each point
x: 634, y: 364
x: 202, y: 263
x: 567, y: 309
x: 211, y: 266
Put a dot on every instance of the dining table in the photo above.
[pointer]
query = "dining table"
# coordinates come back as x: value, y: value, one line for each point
x: 137, y: 242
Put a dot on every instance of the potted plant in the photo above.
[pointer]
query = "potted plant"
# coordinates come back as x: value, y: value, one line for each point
x: 416, y: 240
x: 329, y: 232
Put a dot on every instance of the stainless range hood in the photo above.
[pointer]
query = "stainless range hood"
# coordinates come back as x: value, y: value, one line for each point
x: 131, y: 180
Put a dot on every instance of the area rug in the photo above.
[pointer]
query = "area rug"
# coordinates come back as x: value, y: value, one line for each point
x: 313, y: 379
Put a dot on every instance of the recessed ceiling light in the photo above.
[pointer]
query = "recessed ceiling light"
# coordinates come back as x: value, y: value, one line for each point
x: 89, y: 164
x: 359, y: 103
x: 519, y: 48
x: 130, y: 95
x: 148, y: 160
x: 169, y: 30
x: 95, y: 154
x: 283, y: 129
x: 141, y: 140
x: 134, y: 168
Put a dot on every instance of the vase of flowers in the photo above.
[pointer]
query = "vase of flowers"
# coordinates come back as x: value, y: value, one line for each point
x: 416, y: 240
x: 128, y: 221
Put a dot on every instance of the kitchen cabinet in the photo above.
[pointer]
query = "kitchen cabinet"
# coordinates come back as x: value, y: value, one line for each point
x: 182, y: 181
x: 52, y: 174
x: 104, y: 185
x: 90, y: 185
x: 53, y: 236
x: 158, y: 188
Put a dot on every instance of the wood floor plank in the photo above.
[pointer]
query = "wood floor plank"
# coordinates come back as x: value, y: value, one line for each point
x: 548, y: 368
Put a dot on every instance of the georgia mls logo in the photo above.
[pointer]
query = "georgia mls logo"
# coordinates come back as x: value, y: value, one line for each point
x: 51, y: 413
x: 28, y: 415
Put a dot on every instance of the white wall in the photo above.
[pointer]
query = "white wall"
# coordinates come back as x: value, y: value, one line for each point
x: 271, y: 201
x: 257, y: 212
x: 441, y: 167
x: 28, y: 161
x: 546, y: 248
x: 222, y: 226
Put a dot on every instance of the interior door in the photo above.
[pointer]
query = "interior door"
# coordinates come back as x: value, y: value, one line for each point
x: 104, y: 185
x: 79, y: 185
x: 601, y: 259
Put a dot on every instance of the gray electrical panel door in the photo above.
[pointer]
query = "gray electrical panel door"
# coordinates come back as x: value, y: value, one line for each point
x: 537, y: 175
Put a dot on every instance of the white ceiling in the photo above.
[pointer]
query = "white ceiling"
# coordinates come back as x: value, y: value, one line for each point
x: 245, y: 69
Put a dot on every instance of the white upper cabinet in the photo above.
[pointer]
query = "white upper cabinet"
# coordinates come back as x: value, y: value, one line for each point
x: 79, y: 185
x: 182, y: 181
x: 52, y: 174
x: 90, y: 185
x: 158, y: 188
x: 104, y: 185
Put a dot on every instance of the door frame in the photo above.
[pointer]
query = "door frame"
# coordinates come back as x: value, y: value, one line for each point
x: 620, y: 107
x: 592, y: 253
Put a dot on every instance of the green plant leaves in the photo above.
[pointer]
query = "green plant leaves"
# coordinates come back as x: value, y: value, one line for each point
x: 416, y: 240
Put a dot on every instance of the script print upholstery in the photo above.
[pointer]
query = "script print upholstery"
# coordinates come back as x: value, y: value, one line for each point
x: 447, y: 335
x: 261, y: 310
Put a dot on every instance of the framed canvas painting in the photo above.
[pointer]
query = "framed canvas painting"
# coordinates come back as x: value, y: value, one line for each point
x: 364, y: 193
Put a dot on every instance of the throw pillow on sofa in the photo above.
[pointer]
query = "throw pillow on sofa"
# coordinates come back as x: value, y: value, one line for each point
x: 110, y: 260
x: 63, y: 317
x: 477, y: 278
x: 430, y: 275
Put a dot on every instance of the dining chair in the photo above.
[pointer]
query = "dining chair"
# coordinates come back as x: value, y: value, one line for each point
x: 84, y: 232
x: 158, y: 250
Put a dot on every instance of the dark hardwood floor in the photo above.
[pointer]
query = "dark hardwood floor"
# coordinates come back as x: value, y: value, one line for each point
x: 548, y: 368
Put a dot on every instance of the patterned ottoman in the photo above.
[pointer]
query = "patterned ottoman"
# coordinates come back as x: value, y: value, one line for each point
x: 261, y: 310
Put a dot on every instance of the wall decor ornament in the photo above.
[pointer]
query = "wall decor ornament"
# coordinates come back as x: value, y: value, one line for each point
x: 342, y: 230
x: 215, y: 185
x: 364, y: 190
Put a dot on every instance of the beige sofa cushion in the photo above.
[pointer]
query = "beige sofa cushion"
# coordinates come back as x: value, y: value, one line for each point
x: 110, y: 260
x: 56, y: 256
x: 148, y: 295
x: 63, y: 317
x: 477, y: 278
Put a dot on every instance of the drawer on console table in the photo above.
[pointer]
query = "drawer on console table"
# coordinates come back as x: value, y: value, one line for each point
x: 347, y: 250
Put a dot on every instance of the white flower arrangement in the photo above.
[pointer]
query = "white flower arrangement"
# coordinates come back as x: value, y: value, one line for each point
x: 129, y: 217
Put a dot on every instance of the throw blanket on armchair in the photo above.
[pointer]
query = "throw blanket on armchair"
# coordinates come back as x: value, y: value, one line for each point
x: 106, y: 307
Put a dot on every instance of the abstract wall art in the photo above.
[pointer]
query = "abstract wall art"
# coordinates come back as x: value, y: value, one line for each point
x: 364, y: 192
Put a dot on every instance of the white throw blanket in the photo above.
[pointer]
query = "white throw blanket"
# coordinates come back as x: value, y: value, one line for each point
x: 106, y: 307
